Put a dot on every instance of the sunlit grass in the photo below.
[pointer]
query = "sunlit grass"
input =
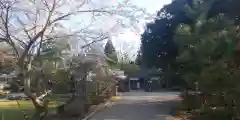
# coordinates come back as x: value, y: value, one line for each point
x: 9, y: 110
x: 115, y: 98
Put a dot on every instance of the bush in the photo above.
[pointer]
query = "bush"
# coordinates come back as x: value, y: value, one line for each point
x: 213, y: 114
x: 61, y: 88
x: 190, y: 102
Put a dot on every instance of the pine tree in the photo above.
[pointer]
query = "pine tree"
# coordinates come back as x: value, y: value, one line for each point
x: 111, y: 53
x: 138, y: 58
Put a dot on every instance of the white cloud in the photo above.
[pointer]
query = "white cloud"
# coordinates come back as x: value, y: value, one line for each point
x: 126, y: 36
x: 131, y: 37
x: 127, y: 42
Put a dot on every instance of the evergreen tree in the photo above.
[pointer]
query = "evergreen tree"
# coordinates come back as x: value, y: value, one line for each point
x: 138, y: 58
x: 111, y: 53
x: 158, y: 48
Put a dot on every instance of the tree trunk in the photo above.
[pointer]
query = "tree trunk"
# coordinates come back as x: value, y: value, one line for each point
x: 77, y: 104
x: 41, y: 106
x: 41, y: 109
x: 74, y: 107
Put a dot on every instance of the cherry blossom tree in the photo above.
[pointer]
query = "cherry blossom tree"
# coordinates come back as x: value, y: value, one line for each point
x: 26, y: 24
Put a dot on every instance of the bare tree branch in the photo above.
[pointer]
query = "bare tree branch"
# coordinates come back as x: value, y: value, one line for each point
x: 84, y: 46
x: 40, y: 21
x: 5, y: 21
x: 77, y: 12
x: 23, y: 44
x: 24, y: 29
x: 39, y: 34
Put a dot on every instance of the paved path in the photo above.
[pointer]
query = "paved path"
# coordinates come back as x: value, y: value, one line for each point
x: 139, y: 106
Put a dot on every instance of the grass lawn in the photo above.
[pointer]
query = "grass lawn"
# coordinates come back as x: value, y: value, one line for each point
x: 9, y: 110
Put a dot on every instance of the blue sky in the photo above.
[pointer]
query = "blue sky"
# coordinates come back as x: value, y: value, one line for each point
x: 129, y: 41
x: 151, y: 5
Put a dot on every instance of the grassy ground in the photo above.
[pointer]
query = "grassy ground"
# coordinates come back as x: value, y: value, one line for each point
x: 116, y: 98
x: 9, y: 110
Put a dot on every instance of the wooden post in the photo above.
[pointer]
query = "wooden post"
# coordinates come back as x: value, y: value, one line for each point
x: 129, y: 84
x: 116, y: 91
